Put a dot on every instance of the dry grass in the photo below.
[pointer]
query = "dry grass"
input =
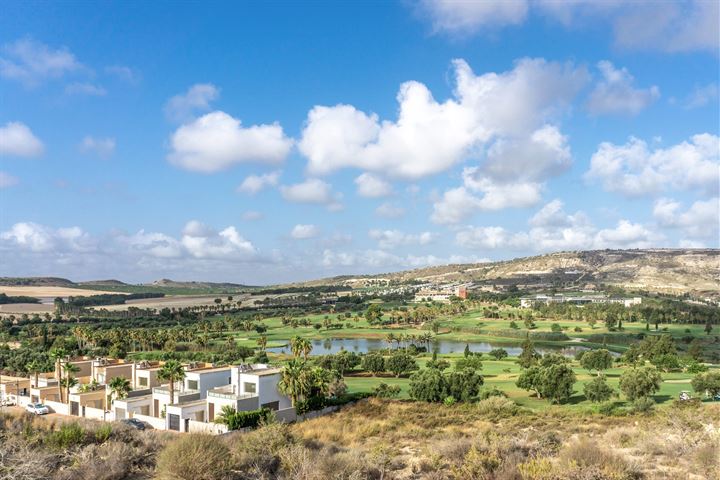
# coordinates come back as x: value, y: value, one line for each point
x: 40, y: 292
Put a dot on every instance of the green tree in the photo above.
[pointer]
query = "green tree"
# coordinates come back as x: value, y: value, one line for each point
x: 473, y: 363
x: 69, y: 369
x: 463, y: 385
x: 708, y: 383
x: 529, y: 379
x: 556, y: 382
x: 374, y: 363
x: 498, y: 353
x: 172, y: 371
x: 597, y: 390
x: 400, y: 363
x: 294, y: 380
x: 427, y: 385
x: 597, y: 360
x: 640, y: 382
x: 528, y: 357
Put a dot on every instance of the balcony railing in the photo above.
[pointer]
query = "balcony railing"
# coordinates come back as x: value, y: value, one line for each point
x: 230, y: 395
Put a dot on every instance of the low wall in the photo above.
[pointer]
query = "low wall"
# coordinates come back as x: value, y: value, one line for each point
x: 57, y: 407
x: 286, y: 415
x: 202, y: 427
x: 156, y: 423
x: 98, y: 414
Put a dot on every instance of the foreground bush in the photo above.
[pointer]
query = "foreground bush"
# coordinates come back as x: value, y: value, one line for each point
x: 194, y: 457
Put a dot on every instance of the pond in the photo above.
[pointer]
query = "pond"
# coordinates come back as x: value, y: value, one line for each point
x: 364, y: 345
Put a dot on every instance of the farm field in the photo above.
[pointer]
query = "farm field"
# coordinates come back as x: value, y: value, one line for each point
x: 49, y: 291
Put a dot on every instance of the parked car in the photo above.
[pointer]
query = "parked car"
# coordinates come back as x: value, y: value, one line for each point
x: 37, y: 409
x: 134, y: 423
x: 7, y: 402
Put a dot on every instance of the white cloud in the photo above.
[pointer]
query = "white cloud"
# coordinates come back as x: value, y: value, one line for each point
x: 153, y: 244
x: 251, y: 215
x: 389, y: 210
x: 371, y: 186
x: 615, y: 93
x: 700, y: 220
x: 462, y: 202
x: 202, y: 241
x: 102, y: 147
x: 84, y: 88
x: 552, y: 229
x: 479, y: 238
x: 39, y: 238
x: 680, y: 26
x: 676, y: 27
x: 395, y: 238
x: 124, y: 73
x: 256, y: 183
x: 464, y: 17
x: 313, y: 191
x: 702, y: 96
x: 302, y: 232
x: 17, y: 140
x: 217, y: 141
x: 31, y: 62
x: 633, y: 169
x: 430, y: 137
x: 368, y: 260
x: 7, y: 180
x: 183, y: 107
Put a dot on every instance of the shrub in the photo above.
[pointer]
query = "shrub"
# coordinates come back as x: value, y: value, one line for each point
x: 449, y: 401
x: 400, y: 363
x: 498, y: 353
x: 383, y: 390
x: 472, y: 362
x: 373, y: 363
x: 597, y: 390
x: 491, y: 392
x: 102, y: 434
x: 639, y: 382
x: 194, y: 457
x: 68, y: 435
x: 243, y: 419
x: 643, y: 405
x: 497, y: 407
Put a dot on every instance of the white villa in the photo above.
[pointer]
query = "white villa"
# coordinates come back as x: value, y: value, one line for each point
x: 196, y: 402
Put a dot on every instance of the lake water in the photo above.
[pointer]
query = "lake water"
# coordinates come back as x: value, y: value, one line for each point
x: 364, y: 345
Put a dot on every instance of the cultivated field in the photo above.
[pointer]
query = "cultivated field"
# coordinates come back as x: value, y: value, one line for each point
x: 48, y: 292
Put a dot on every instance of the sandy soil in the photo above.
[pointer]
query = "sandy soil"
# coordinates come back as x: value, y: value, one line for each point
x: 29, y: 308
x: 53, y: 292
x: 179, y: 301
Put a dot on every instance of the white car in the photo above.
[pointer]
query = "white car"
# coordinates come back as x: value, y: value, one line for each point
x: 37, y: 409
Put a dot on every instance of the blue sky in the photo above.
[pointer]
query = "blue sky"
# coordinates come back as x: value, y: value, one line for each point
x: 271, y: 142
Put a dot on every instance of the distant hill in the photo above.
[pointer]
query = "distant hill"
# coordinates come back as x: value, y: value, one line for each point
x: 103, y: 283
x: 36, y: 282
x: 196, y: 285
x: 675, y: 271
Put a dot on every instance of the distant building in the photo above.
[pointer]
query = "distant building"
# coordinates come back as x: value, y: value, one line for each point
x: 528, y: 302
x: 442, y: 295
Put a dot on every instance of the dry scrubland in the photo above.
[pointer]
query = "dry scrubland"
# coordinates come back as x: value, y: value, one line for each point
x: 381, y: 440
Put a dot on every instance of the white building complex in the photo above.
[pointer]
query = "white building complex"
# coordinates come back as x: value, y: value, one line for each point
x: 528, y: 302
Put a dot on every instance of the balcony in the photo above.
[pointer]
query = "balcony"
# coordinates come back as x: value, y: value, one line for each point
x: 227, y: 393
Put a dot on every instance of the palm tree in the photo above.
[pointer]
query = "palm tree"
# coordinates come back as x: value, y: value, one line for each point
x: 69, y: 381
x: 58, y: 354
x: 172, y: 371
x: 300, y: 346
x: 262, y: 342
x: 294, y: 380
x: 120, y: 387
x: 34, y: 367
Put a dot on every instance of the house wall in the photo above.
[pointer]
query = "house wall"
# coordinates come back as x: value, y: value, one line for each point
x: 132, y: 406
x: 202, y: 427
x: 149, y: 375
x: 268, y: 391
x: 57, y: 407
x: 97, y: 414
x: 107, y: 373
x: 156, y: 423
x: 208, y: 380
x: 192, y: 412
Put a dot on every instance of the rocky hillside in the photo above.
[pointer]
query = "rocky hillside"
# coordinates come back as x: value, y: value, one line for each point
x: 675, y: 271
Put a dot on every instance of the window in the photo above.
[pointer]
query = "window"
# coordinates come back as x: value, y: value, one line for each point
x: 142, y: 381
x: 249, y: 387
x: 192, y: 384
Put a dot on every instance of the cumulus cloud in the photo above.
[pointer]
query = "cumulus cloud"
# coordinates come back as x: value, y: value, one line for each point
x: 256, y: 183
x: 302, y: 232
x: 312, y: 191
x: 479, y: 193
x: 202, y: 241
x: 39, y: 238
x: 634, y: 169
x: 389, y: 210
x: 217, y: 141
x: 681, y: 26
x: 615, y: 93
x: 700, y: 220
x: 17, y: 140
x: 552, y: 229
x: 7, y: 180
x: 85, y: 88
x: 198, y: 97
x: 102, y: 147
x: 466, y: 17
x: 368, y: 260
x: 372, y: 186
x: 30, y: 62
x: 388, y: 239
x: 429, y: 136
